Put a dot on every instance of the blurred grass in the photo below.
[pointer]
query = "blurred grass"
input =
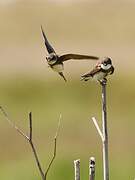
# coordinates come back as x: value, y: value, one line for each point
x: 26, y: 84
x: 77, y: 102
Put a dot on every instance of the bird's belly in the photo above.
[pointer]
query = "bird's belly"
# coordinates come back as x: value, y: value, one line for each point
x: 99, y: 76
x: 58, y: 67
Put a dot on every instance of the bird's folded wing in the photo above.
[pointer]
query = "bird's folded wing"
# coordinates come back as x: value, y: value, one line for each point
x: 91, y: 73
x: 112, y: 70
x: 66, y: 57
x: 47, y: 44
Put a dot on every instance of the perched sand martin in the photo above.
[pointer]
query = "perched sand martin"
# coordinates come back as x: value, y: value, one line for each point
x: 101, y: 71
x: 56, y: 62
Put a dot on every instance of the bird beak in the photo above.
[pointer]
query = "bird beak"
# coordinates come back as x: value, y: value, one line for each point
x: 99, y: 66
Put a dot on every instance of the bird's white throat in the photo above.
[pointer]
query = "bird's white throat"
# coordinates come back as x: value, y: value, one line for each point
x: 51, y: 62
x: 106, y: 67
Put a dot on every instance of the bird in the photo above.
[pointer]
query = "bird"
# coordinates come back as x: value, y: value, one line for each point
x: 99, y: 73
x: 55, y: 61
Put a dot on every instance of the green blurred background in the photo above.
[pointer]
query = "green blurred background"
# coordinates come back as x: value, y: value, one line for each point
x: 95, y: 27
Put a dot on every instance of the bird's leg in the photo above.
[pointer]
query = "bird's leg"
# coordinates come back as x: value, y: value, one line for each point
x: 103, y: 81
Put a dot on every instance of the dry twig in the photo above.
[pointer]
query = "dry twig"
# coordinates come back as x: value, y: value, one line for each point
x: 30, y: 140
x: 104, y: 134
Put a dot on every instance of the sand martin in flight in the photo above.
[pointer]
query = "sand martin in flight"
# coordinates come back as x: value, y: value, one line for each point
x: 56, y: 62
x: 102, y: 69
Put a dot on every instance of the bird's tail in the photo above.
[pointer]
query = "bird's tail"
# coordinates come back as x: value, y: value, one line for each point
x: 62, y: 75
x: 85, y: 77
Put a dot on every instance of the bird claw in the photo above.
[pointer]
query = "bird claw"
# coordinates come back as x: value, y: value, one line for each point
x: 103, y: 82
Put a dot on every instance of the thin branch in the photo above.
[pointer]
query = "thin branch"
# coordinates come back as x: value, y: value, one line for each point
x: 98, y: 128
x: 30, y: 123
x: 77, y: 169
x: 33, y: 147
x: 30, y: 140
x: 55, y: 147
x: 105, y: 133
x: 92, y: 168
x: 37, y: 160
x: 13, y: 124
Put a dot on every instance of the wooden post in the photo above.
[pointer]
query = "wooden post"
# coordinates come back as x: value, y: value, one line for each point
x: 77, y: 169
x: 92, y: 168
x: 105, y: 133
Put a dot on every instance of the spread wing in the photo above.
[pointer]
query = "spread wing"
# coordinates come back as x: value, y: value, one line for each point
x: 47, y: 44
x: 66, y: 57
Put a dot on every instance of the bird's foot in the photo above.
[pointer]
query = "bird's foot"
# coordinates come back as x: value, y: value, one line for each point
x: 103, y: 82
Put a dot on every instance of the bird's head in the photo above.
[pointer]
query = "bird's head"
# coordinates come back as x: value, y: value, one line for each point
x: 106, y: 63
x: 52, y: 58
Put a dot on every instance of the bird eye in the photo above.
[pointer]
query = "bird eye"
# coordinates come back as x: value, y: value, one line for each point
x: 105, y: 64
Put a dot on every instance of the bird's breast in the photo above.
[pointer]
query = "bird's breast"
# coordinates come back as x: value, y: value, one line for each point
x: 99, y: 76
x: 58, y: 67
x: 51, y: 62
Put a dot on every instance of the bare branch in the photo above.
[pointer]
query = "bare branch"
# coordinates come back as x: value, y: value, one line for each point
x: 37, y: 160
x: 92, y: 168
x: 77, y: 169
x: 98, y: 129
x: 13, y: 124
x: 58, y: 126
x: 55, y: 147
x: 30, y: 140
x: 33, y: 148
x: 30, y: 123
x: 105, y: 133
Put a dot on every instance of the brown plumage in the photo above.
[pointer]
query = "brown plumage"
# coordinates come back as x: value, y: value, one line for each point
x: 101, y: 70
